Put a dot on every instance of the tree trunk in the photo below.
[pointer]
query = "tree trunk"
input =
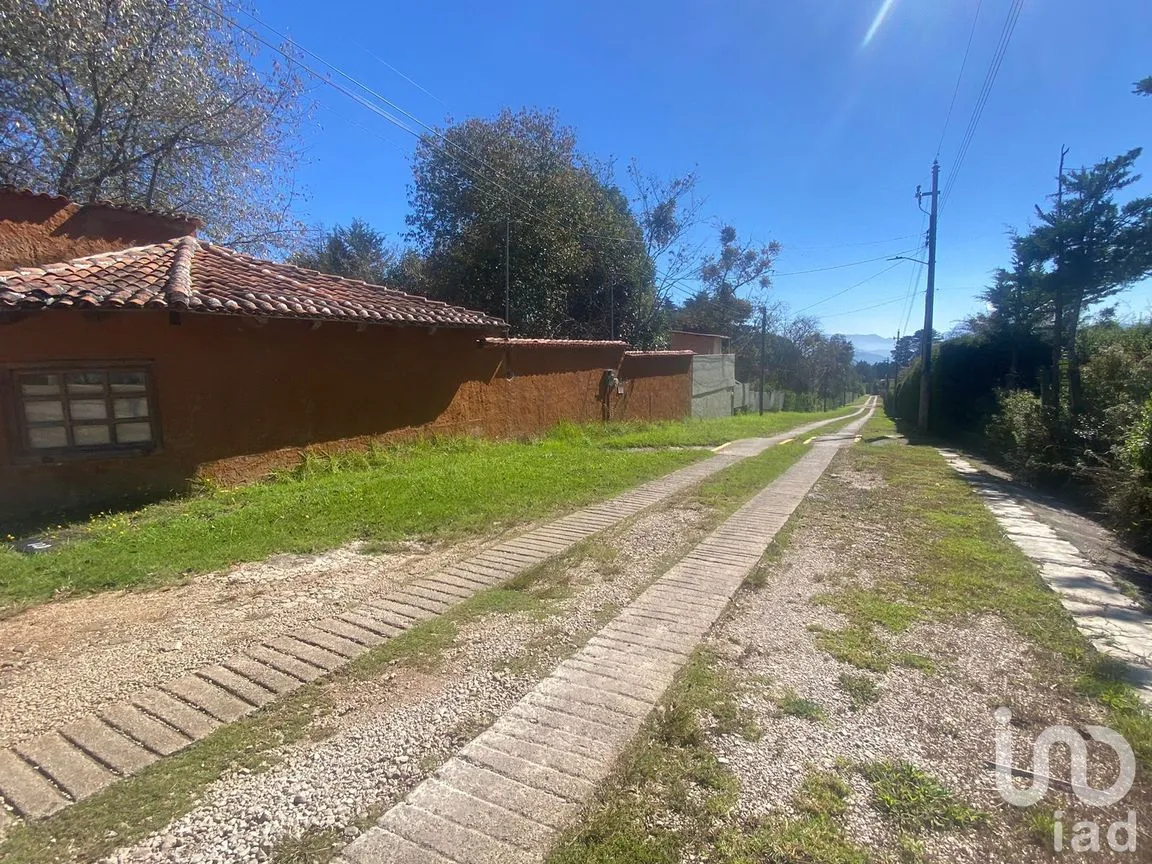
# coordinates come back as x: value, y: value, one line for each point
x: 1057, y: 352
x: 1075, y: 388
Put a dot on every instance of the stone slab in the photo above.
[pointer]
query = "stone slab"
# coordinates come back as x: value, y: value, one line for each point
x: 262, y: 668
x: 158, y: 737
x: 26, y: 790
x: 351, y: 632
x: 70, y: 768
x: 338, y: 645
x: 238, y: 685
x: 111, y: 747
x: 210, y: 698
x: 319, y: 657
x: 453, y: 841
x: 377, y: 846
x: 192, y: 722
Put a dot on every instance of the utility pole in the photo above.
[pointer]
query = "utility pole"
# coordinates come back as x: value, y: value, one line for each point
x: 929, y: 295
x: 763, y: 350
x: 894, y: 366
x: 1058, y: 306
x: 507, y: 268
x: 612, y: 311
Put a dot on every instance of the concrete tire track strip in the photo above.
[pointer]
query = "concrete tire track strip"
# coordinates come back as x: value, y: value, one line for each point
x: 45, y: 774
x: 505, y: 796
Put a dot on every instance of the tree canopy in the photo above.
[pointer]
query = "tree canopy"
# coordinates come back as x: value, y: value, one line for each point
x: 150, y: 103
x: 578, y: 265
x: 356, y: 252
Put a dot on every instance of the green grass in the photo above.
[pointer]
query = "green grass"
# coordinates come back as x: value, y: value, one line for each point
x: 696, y: 432
x: 916, y: 801
x: 823, y: 793
x: 794, y: 705
x: 861, y: 689
x: 871, y: 607
x: 434, y: 489
x: 960, y: 564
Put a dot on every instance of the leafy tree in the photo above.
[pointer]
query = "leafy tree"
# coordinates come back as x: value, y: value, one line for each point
x: 151, y: 103
x: 1017, y: 298
x: 908, y: 348
x: 668, y: 211
x: 578, y: 264
x: 1143, y: 87
x: 1095, y: 248
x: 717, y: 306
x: 356, y: 252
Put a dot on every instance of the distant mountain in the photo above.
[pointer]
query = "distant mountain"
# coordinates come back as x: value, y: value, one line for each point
x: 870, y: 347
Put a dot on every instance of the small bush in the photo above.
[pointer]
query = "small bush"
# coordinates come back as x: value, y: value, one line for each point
x: 1029, y: 437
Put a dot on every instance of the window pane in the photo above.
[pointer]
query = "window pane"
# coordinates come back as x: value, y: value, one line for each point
x: 126, y: 382
x: 137, y: 407
x: 88, y: 409
x: 85, y: 382
x: 131, y: 433
x: 88, y: 435
x: 47, y: 436
x: 39, y: 385
x: 43, y: 412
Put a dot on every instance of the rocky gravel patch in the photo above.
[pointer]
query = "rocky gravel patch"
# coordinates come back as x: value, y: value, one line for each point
x: 385, y: 735
x: 939, y: 720
x: 61, y: 660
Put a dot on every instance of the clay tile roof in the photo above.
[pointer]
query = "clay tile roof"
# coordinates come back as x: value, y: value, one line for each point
x: 190, y: 275
x: 570, y: 343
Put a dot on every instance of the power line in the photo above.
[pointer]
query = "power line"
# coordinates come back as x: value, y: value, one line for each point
x: 376, y: 109
x: 429, y: 129
x: 841, y: 266
x: 914, y: 288
x: 844, y: 291
x: 847, y: 245
x: 865, y: 308
x: 985, y: 91
x: 411, y: 81
x: 959, y: 78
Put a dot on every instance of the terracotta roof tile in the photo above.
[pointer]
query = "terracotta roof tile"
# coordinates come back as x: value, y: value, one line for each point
x: 191, y: 275
x: 572, y: 343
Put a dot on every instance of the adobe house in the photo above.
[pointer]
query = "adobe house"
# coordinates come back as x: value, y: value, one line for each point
x: 148, y: 358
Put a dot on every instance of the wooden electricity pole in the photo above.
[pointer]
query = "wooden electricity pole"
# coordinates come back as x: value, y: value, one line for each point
x: 929, y: 294
x: 763, y: 350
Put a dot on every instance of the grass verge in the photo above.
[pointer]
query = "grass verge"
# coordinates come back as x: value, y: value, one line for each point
x: 697, y: 432
x: 915, y: 801
x: 959, y: 563
x: 434, y: 489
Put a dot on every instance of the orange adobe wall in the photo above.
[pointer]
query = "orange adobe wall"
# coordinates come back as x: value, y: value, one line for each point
x: 239, y: 397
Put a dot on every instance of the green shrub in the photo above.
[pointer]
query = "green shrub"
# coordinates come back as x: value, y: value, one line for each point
x: 1029, y: 437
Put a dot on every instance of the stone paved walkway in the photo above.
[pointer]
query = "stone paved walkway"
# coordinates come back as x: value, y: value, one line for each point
x: 1112, y: 621
x: 508, y: 793
x: 45, y: 774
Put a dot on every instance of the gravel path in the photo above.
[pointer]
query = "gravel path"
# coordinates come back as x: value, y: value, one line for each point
x: 384, y: 736
x: 61, y: 660
x: 941, y: 721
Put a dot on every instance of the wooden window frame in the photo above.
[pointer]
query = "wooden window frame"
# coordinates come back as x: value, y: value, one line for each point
x: 24, y: 452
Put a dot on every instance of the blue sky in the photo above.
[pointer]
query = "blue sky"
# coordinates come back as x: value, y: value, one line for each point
x: 802, y: 130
